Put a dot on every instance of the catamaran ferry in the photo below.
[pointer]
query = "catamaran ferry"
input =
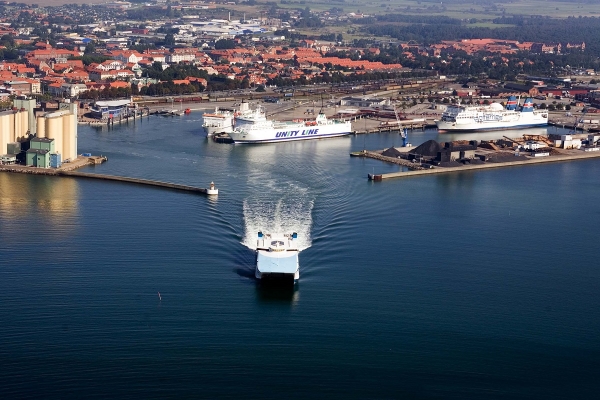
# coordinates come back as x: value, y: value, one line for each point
x: 277, y: 257
x: 492, y: 117
x: 254, y: 127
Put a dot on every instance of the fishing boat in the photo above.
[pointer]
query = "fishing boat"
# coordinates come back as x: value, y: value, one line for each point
x: 277, y: 257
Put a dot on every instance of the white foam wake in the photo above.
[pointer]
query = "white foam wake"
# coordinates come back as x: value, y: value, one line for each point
x: 278, y: 211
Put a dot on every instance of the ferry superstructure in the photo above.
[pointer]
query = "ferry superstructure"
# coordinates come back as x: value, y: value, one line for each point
x: 277, y: 257
x: 492, y: 117
x: 223, y: 121
x: 254, y: 127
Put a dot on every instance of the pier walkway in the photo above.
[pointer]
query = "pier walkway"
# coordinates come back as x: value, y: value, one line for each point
x: 68, y: 173
x: 139, y: 181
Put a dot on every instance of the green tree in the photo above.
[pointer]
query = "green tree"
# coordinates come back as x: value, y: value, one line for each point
x: 169, y: 39
x: 90, y: 48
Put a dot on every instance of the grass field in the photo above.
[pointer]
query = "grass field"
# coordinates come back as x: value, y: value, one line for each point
x: 550, y: 8
x: 473, y: 9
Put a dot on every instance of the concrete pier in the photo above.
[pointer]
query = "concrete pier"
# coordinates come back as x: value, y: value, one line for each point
x: 68, y: 173
x: 570, y: 155
x: 139, y: 181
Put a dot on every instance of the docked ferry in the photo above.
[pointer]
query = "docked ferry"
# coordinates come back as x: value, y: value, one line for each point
x: 221, y: 121
x: 277, y: 257
x: 224, y: 120
x: 254, y: 127
x: 492, y: 117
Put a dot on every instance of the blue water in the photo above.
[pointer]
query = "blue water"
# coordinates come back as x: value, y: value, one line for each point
x: 468, y: 286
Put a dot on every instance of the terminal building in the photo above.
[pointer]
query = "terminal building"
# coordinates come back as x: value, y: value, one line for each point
x: 111, y: 109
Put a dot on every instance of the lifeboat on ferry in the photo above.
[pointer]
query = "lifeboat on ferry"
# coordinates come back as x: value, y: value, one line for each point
x: 311, y: 123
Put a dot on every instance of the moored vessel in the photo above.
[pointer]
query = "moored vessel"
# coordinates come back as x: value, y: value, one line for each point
x: 224, y: 120
x: 221, y: 121
x: 256, y: 128
x: 495, y: 116
x: 277, y: 257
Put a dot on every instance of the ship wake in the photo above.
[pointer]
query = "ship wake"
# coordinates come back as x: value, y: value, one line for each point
x: 279, y: 211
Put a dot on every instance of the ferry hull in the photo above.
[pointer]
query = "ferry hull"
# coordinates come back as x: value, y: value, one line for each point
x: 277, y: 267
x: 445, y: 128
x: 270, y: 135
x: 213, y: 130
x: 492, y: 117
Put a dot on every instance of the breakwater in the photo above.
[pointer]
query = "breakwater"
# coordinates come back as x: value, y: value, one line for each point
x: 65, y: 173
x: 138, y: 181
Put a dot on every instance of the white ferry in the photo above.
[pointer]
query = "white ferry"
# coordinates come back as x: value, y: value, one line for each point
x: 492, y: 117
x: 277, y: 257
x: 223, y: 121
x: 254, y: 127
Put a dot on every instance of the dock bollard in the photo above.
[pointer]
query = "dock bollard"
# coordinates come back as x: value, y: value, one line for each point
x: 212, y: 190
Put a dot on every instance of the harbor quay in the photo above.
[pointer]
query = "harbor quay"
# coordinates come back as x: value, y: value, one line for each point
x: 502, y: 159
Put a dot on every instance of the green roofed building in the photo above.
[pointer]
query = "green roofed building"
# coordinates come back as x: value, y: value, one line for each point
x: 38, y: 158
x: 42, y: 144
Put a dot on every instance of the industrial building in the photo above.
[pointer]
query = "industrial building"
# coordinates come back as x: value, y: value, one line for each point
x: 23, y: 103
x: 42, y: 141
x: 14, y: 127
x: 62, y: 127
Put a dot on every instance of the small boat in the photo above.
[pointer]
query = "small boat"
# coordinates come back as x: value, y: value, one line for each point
x: 277, y: 258
x: 188, y: 110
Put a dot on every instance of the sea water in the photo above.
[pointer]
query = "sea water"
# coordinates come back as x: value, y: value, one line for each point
x: 470, y: 285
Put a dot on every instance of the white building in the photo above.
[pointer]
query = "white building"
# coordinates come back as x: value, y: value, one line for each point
x: 177, y: 58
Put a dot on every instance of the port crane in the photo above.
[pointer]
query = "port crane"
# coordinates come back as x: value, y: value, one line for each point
x: 403, y: 131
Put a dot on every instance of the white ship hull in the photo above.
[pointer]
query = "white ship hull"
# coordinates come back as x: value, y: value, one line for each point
x: 492, y: 117
x: 290, y: 133
x: 473, y: 126
x: 219, y: 122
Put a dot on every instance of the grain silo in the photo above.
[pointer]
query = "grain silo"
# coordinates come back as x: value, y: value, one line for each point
x: 54, y: 130
x: 29, y: 106
x: 41, y: 127
x: 11, y: 127
x: 4, y: 131
x: 25, y: 128
x: 16, y: 126
x: 69, y: 145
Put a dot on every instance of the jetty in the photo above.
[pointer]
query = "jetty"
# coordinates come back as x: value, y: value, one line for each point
x: 138, y: 181
x: 377, y: 156
x: 66, y: 170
